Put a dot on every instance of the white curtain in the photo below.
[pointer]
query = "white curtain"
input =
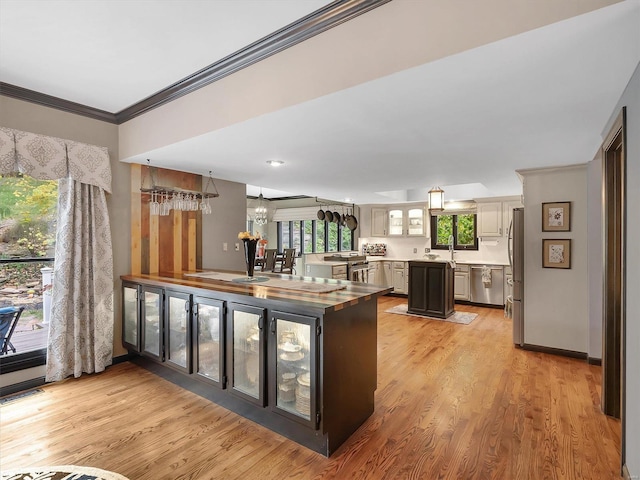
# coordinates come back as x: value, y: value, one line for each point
x: 81, y: 329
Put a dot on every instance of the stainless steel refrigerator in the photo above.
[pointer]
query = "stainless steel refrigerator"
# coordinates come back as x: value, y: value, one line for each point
x: 516, y: 261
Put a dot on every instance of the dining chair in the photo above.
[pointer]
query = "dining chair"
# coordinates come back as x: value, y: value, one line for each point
x: 269, y: 264
x: 9, y: 317
x: 289, y: 261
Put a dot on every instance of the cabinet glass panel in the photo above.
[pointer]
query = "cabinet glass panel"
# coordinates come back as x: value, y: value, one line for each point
x: 178, y: 330
x: 130, y: 316
x: 247, y: 339
x: 293, y: 368
x: 415, y: 217
x: 395, y: 222
x: 152, y: 325
x: 209, y: 341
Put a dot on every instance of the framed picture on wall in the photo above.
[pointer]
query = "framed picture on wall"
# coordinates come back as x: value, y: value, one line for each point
x: 556, y: 217
x: 556, y: 253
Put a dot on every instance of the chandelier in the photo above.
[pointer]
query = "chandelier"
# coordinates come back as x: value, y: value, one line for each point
x: 261, y: 211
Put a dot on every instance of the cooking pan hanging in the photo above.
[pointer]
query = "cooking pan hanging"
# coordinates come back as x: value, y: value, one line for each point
x: 328, y: 216
x: 320, y: 214
x: 352, y: 222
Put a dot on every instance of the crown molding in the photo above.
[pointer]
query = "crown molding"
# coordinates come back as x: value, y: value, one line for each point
x: 32, y: 96
x: 317, y: 22
x: 327, y: 17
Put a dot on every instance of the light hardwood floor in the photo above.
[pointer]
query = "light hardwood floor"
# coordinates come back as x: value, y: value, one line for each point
x: 453, y: 402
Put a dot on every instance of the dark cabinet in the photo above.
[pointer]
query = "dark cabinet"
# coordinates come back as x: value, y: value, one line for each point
x: 431, y: 289
x: 177, y: 340
x: 247, y: 350
x: 131, y: 316
x: 152, y: 320
x: 209, y: 351
x: 293, y: 347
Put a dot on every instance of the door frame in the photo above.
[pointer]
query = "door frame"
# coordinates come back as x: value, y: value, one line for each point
x: 616, y: 135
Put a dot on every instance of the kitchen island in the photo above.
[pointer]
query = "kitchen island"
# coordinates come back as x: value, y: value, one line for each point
x: 294, y: 354
x: 431, y: 288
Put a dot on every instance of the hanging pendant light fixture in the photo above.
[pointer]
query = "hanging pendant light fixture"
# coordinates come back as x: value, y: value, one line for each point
x: 261, y: 211
x: 436, y: 199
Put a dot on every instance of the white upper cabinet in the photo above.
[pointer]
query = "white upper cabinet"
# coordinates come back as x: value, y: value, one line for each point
x: 396, y: 222
x: 378, y: 222
x: 416, y: 222
x: 507, y: 214
x: 490, y: 219
x: 407, y: 222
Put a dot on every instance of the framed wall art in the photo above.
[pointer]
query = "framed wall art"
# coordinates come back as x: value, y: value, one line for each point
x: 556, y: 217
x: 556, y: 253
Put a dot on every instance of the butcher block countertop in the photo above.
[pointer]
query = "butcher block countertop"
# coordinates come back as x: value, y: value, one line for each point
x: 324, y: 295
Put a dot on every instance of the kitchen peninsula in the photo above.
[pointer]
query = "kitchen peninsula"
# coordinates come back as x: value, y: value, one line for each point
x: 294, y: 354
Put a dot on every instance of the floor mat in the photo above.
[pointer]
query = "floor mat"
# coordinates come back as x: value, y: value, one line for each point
x: 464, y: 318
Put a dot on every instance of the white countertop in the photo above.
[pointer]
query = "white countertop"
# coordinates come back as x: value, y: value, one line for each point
x: 442, y: 258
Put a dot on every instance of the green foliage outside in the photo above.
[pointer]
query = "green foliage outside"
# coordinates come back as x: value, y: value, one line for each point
x: 31, y: 204
x: 464, y: 229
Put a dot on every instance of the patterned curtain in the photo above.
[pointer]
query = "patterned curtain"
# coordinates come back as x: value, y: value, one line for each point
x: 81, y: 329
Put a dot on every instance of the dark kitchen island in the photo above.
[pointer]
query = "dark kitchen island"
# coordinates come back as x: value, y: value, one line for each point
x: 295, y: 354
x: 431, y: 289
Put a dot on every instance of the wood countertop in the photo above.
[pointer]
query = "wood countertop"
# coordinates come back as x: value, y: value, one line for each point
x: 352, y: 293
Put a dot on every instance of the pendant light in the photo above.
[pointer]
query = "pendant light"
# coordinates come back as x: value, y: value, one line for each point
x: 436, y: 199
x: 261, y: 211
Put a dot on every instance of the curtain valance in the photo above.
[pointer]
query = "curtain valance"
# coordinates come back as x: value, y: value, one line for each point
x: 51, y: 158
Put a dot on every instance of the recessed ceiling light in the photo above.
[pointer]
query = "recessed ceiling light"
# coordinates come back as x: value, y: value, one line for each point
x: 348, y: 200
x: 275, y: 163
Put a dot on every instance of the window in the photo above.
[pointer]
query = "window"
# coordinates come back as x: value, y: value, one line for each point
x: 313, y: 236
x: 27, y: 235
x: 460, y: 228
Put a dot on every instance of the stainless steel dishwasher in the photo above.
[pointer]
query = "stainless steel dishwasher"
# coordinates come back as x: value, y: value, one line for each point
x: 491, y: 293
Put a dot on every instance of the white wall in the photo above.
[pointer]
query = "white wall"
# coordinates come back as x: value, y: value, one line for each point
x: 555, y: 300
x: 594, y: 256
x: 631, y: 99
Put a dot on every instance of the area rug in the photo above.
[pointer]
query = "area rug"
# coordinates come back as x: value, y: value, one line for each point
x: 64, y: 472
x: 458, y: 317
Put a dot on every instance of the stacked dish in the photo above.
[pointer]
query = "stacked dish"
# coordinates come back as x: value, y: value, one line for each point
x: 303, y: 394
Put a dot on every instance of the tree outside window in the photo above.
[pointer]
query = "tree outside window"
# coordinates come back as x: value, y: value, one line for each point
x: 461, y: 229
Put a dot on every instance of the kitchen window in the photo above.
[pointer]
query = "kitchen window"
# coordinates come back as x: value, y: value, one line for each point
x: 313, y: 236
x: 461, y: 228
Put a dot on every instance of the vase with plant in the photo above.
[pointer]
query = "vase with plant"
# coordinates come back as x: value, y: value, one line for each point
x: 250, y: 244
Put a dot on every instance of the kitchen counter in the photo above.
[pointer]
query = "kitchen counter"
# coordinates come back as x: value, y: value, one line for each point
x: 442, y: 258
x: 231, y: 341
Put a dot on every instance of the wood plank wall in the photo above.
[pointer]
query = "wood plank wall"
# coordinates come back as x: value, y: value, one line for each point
x: 163, y: 243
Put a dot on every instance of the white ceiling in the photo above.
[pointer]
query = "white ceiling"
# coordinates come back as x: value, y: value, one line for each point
x: 465, y: 122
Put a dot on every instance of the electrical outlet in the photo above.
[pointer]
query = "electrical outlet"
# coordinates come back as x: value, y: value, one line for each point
x: 237, y: 247
x: 224, y: 247
x: 427, y: 250
x: 415, y: 250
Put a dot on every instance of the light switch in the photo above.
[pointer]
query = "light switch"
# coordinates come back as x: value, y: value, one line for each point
x: 237, y: 247
x: 224, y: 247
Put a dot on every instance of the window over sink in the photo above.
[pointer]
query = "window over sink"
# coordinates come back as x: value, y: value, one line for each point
x: 461, y: 228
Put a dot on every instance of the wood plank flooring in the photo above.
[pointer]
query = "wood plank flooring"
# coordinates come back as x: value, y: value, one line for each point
x: 453, y: 402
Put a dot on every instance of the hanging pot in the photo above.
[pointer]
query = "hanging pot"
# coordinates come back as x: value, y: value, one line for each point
x: 352, y: 223
x: 328, y: 216
x: 320, y: 214
x: 336, y: 217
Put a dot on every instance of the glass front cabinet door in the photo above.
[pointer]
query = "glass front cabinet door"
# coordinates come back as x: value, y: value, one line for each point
x: 208, y: 328
x: 151, y: 313
x: 130, y: 317
x: 294, y: 344
x: 246, y: 356
x: 396, y: 222
x: 178, y: 331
